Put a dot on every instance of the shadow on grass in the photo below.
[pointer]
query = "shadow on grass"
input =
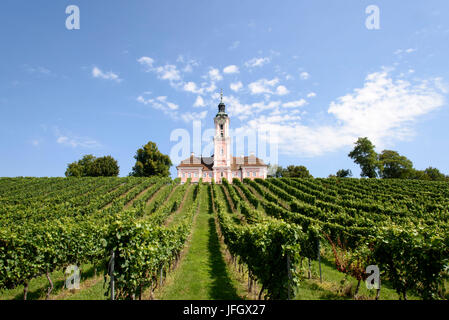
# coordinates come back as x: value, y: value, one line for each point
x: 222, y: 287
x: 58, y: 285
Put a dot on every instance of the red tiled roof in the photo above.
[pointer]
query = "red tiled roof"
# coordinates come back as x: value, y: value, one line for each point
x: 251, y: 161
x: 207, y: 162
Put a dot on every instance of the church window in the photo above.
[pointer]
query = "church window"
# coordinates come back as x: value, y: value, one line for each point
x: 221, y: 151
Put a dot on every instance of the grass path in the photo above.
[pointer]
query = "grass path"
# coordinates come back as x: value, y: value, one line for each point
x: 202, y: 273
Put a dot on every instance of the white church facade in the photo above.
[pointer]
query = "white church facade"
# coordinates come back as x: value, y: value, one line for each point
x: 221, y: 164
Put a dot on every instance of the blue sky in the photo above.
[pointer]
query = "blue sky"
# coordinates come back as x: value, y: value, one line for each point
x: 308, y: 70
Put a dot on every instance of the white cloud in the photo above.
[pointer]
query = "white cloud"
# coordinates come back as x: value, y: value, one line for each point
x: 168, y: 72
x: 236, y: 86
x: 304, y: 75
x: 214, y: 74
x: 199, y: 102
x: 231, y: 69
x: 188, y: 64
x: 234, y: 45
x: 97, y: 73
x: 76, y: 142
x: 159, y: 103
x: 262, y: 86
x: 257, y: 62
x: 384, y: 109
x: 295, y: 104
x: 400, y: 51
x: 190, y: 116
x: 172, y: 109
x: 40, y: 70
x: 192, y: 87
x: 311, y: 95
x: 244, y: 111
x: 282, y: 90
x: 68, y: 139
x: 146, y: 61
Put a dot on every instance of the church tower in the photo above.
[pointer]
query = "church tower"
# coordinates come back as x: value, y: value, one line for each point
x: 221, y: 164
x: 222, y: 144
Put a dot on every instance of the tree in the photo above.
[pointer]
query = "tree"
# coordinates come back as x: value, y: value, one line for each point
x: 90, y: 166
x: 393, y: 165
x: 104, y: 167
x: 434, y: 174
x: 365, y: 156
x: 74, y: 169
x: 418, y: 175
x: 150, y: 161
x: 296, y: 172
x: 342, y: 173
x: 274, y: 171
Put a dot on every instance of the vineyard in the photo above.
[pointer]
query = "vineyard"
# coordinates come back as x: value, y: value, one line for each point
x: 144, y: 238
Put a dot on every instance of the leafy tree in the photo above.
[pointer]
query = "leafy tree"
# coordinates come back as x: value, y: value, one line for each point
x: 150, y: 161
x: 342, y: 173
x: 393, y: 165
x: 90, y: 166
x: 434, y: 174
x: 365, y: 156
x: 104, y: 167
x: 418, y: 175
x: 296, y: 172
x: 74, y: 169
x: 274, y: 171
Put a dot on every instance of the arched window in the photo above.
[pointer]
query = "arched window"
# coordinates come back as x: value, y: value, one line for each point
x: 222, y: 151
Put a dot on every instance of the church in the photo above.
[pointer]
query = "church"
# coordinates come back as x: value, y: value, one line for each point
x: 221, y: 164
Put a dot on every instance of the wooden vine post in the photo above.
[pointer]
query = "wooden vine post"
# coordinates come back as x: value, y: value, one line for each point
x: 111, y: 274
x: 289, y: 277
x: 319, y: 260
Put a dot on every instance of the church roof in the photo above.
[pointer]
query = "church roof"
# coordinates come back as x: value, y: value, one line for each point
x: 207, y: 163
x: 251, y: 161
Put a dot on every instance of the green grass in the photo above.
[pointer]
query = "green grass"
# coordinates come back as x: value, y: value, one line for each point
x: 37, y: 288
x: 94, y: 292
x: 336, y: 286
x: 203, y: 273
